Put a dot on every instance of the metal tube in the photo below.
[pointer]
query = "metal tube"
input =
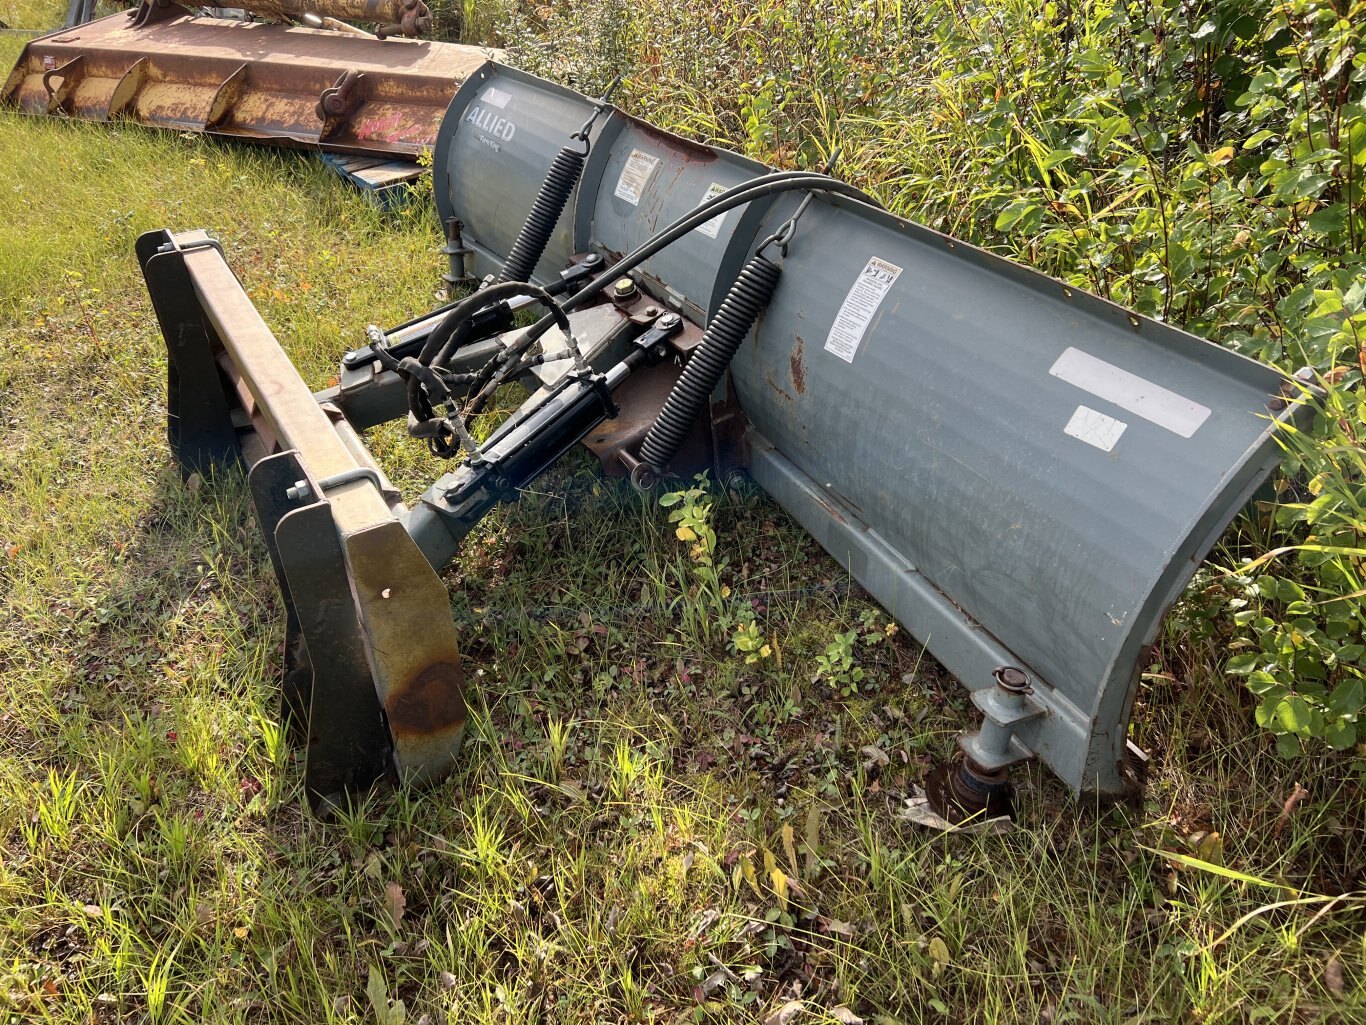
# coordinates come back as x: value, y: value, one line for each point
x: 411, y: 17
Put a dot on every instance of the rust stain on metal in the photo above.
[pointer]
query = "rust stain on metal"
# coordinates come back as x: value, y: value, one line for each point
x: 768, y: 377
x: 432, y: 702
x: 686, y: 148
x: 828, y: 506
x: 639, y: 399
x: 404, y: 614
x: 798, y: 367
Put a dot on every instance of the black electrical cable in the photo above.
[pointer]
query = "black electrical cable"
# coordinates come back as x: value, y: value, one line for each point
x: 746, y: 192
x: 744, y: 301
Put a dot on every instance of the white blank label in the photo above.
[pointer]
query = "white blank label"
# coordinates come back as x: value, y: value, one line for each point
x: 1138, y: 395
x: 1095, y: 428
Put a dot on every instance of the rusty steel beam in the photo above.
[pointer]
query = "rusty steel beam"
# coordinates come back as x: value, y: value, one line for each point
x: 246, y: 80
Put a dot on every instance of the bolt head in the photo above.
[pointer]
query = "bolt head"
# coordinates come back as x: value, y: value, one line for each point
x: 623, y: 288
x: 1012, y: 678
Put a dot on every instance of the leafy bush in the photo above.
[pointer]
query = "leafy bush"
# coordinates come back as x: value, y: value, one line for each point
x: 1303, y: 645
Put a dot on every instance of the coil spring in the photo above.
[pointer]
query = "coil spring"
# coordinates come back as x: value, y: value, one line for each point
x: 559, y: 182
x: 739, y: 310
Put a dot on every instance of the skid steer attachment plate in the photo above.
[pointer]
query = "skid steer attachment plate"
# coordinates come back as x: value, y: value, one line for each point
x: 246, y: 80
x: 372, y: 676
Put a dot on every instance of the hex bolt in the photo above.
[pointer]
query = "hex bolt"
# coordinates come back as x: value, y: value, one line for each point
x: 1013, y: 681
x: 623, y: 290
x: 298, y: 491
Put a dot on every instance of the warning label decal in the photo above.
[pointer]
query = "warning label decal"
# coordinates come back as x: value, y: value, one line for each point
x: 860, y: 306
x: 635, y: 176
x: 712, y: 227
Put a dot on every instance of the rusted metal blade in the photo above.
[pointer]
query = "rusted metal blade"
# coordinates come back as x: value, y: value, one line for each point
x: 246, y: 80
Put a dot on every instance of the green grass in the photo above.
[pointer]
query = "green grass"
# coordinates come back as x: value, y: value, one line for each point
x: 643, y: 827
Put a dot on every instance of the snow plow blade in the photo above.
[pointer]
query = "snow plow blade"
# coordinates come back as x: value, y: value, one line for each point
x: 1025, y: 476
x: 164, y: 68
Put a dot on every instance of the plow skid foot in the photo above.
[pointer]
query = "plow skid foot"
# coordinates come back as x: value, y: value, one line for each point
x: 372, y: 685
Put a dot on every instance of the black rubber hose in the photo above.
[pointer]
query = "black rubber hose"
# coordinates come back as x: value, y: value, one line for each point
x: 425, y: 386
x: 746, y: 192
x: 472, y: 304
x: 560, y: 180
x: 744, y: 302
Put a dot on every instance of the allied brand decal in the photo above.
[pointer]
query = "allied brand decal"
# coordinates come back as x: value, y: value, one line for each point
x: 491, y: 124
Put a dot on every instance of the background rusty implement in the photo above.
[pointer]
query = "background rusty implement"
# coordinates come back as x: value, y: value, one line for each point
x: 246, y: 80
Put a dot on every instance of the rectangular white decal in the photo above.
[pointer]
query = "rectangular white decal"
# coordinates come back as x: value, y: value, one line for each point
x: 634, y: 176
x: 712, y: 227
x: 495, y: 97
x: 860, y: 306
x: 1138, y: 395
x: 1095, y: 428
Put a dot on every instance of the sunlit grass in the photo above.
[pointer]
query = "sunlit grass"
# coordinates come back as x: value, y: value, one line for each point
x: 643, y: 827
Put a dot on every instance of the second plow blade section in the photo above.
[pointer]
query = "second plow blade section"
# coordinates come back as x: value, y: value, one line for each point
x: 246, y: 80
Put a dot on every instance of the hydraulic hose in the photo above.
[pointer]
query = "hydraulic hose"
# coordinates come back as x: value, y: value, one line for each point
x: 745, y: 300
x: 425, y: 385
x: 746, y: 192
x: 467, y: 307
x: 565, y: 171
